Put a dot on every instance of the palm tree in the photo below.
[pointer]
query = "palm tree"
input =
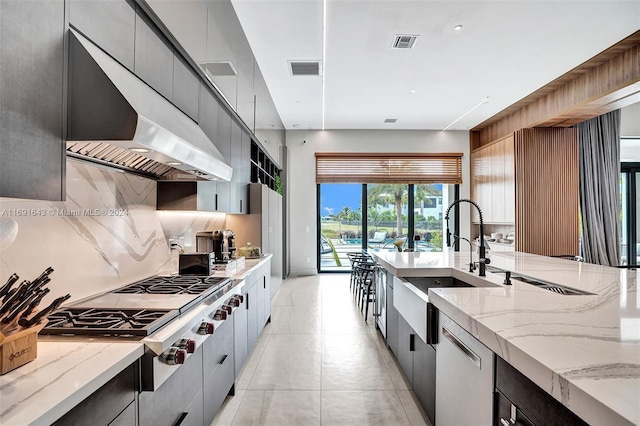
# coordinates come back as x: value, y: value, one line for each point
x: 388, y: 193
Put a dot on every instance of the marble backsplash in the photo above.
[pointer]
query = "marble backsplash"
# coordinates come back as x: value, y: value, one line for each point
x: 106, y: 234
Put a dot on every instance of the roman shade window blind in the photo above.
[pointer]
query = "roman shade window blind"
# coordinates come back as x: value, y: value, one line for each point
x: 416, y: 168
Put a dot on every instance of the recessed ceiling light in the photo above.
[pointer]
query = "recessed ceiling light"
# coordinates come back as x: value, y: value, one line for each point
x: 297, y: 126
x: 457, y: 27
x: 140, y: 150
x: 412, y: 91
x: 174, y: 163
x: 390, y: 120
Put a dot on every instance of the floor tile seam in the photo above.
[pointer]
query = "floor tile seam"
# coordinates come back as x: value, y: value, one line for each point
x: 258, y: 361
x: 233, y: 419
x: 404, y: 408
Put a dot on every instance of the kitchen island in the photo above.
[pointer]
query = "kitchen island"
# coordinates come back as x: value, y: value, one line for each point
x: 70, y: 369
x: 584, y: 350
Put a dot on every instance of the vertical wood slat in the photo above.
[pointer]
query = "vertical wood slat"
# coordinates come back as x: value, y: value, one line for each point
x: 546, y: 168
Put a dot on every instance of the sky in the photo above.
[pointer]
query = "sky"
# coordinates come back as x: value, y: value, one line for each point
x: 335, y: 196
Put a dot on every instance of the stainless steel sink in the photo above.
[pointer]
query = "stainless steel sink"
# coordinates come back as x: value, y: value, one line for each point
x: 546, y: 285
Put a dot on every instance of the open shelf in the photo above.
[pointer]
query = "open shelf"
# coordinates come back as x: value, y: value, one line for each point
x: 263, y: 170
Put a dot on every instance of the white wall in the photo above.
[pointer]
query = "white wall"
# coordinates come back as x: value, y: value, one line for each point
x: 630, y: 120
x: 301, y: 189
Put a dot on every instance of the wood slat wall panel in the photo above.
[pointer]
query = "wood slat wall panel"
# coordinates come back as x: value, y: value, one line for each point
x: 575, y: 94
x: 546, y: 168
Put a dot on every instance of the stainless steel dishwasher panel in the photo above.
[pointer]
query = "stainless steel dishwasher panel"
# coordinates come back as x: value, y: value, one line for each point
x: 464, y: 377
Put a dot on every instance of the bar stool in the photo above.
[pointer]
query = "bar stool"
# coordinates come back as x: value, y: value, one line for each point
x: 366, y: 291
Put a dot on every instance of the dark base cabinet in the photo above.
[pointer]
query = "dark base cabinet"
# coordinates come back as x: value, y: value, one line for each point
x: 113, y: 402
x: 169, y: 403
x: 392, y: 319
x: 219, y: 374
x: 424, y: 377
x: 532, y: 405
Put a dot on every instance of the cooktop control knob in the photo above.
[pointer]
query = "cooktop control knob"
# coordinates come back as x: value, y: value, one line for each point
x: 187, y: 344
x: 220, y: 315
x: 239, y: 297
x: 234, y: 302
x: 206, y: 328
x: 227, y: 308
x: 173, y: 356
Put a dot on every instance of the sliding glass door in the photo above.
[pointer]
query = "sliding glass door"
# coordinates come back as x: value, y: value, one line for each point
x: 340, y: 224
x: 630, y: 214
x: 378, y: 217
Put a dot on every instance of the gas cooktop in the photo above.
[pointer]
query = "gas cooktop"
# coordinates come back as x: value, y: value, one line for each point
x: 105, y: 322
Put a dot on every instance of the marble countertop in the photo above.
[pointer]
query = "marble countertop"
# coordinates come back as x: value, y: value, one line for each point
x: 584, y: 350
x: 68, y: 370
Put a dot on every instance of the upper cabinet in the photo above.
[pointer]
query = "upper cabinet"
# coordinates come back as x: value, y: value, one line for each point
x: 31, y: 87
x: 186, y: 88
x: 109, y: 24
x: 211, y: 34
x: 153, y: 57
x: 492, y: 182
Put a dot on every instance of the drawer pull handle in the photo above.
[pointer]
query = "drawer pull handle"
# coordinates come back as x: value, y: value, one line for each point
x: 468, y: 352
x: 224, y: 358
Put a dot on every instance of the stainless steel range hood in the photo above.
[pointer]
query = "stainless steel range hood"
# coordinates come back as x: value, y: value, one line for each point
x: 114, y: 118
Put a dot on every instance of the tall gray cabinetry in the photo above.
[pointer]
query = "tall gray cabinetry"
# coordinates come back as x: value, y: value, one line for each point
x: 268, y: 204
x: 32, y: 57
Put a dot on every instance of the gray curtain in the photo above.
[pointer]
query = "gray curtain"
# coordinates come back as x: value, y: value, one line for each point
x: 599, y: 140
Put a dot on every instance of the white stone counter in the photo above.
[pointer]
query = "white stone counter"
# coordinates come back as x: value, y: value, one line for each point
x: 66, y: 371
x: 584, y: 349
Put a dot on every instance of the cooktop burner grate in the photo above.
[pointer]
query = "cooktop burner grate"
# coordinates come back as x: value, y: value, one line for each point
x: 94, y: 321
x: 173, y: 285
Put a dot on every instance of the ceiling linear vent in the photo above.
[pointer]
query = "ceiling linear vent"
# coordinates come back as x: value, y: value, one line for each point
x: 404, y: 41
x: 390, y: 120
x: 220, y: 68
x: 304, y: 67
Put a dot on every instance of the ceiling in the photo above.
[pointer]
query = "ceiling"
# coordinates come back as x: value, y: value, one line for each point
x: 504, y: 51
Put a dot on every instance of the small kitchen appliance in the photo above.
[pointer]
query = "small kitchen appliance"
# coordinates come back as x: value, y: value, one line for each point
x: 197, y: 263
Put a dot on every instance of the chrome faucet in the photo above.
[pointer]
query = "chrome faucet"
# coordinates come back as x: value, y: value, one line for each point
x: 472, y: 266
x: 482, y: 261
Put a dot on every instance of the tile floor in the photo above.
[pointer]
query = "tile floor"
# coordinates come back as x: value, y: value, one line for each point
x: 319, y: 363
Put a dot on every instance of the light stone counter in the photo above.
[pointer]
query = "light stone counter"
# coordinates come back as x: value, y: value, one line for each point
x: 65, y: 372
x: 68, y: 370
x: 584, y: 350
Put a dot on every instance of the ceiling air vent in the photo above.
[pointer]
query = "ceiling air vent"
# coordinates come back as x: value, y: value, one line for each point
x: 404, y: 41
x: 305, y: 67
x: 390, y: 120
x: 216, y: 68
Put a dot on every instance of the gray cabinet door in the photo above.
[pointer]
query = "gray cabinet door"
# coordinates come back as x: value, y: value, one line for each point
x: 252, y: 317
x: 218, y: 369
x: 405, y: 346
x: 166, y: 406
x: 236, y: 203
x: 240, y: 335
x: 31, y: 82
x: 195, y: 412
x: 109, y: 24
x: 186, y: 88
x: 223, y: 143
x: 153, y: 57
x: 392, y: 318
x: 424, y: 377
x: 208, y: 122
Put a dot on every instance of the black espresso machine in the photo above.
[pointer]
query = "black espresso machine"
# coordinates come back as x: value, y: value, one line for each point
x: 220, y: 243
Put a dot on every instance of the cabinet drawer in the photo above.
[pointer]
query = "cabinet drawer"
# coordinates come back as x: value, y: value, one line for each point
x: 107, y: 403
x: 532, y: 400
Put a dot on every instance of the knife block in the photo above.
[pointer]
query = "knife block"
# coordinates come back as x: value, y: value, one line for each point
x: 17, y: 349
